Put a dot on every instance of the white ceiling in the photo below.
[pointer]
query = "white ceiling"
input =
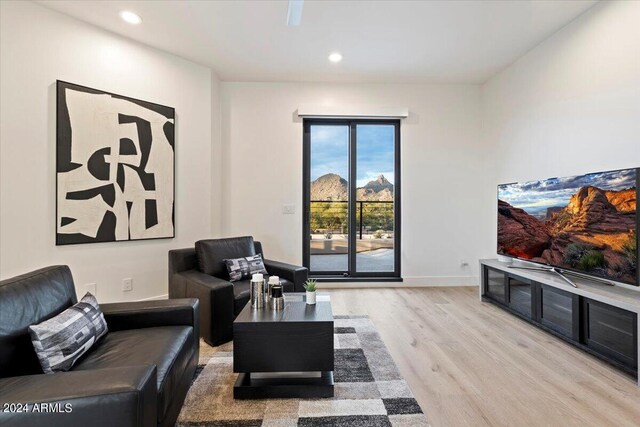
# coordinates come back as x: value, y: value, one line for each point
x: 382, y: 41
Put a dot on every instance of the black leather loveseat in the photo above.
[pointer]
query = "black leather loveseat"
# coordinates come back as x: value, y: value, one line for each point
x: 201, y: 273
x: 136, y: 375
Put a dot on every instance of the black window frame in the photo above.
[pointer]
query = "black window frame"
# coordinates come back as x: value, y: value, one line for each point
x: 352, y: 274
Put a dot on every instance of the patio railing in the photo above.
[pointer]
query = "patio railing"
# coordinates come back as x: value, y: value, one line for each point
x: 328, y: 217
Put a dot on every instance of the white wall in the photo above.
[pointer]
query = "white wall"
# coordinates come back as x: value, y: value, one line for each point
x: 570, y: 106
x: 216, y: 180
x: 441, y: 170
x: 39, y: 46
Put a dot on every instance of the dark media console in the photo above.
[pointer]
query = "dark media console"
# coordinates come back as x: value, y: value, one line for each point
x: 599, y: 319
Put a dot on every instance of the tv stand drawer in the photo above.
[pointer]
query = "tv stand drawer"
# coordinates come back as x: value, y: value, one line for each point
x: 557, y: 310
x: 495, y: 284
x: 521, y: 293
x: 611, y: 332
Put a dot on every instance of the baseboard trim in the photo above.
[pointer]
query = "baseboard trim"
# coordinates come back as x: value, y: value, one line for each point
x: 408, y: 282
x: 157, y: 297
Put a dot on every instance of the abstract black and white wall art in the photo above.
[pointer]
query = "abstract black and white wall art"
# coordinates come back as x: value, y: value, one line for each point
x: 114, y: 166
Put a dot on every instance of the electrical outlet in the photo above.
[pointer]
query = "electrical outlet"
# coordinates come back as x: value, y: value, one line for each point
x: 288, y: 209
x: 127, y: 284
x: 92, y: 288
x: 464, y: 263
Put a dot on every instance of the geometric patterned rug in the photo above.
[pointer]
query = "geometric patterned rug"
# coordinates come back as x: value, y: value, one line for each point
x: 369, y: 390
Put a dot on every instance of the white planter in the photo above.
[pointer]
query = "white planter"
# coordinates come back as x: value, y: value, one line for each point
x: 311, y: 298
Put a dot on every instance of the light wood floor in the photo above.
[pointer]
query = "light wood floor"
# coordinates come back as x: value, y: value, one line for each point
x: 470, y: 363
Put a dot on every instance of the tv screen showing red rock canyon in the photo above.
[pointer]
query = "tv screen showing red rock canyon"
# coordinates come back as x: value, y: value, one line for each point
x: 584, y: 223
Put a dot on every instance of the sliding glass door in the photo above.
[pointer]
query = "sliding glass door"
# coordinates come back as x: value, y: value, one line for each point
x: 328, y: 206
x: 352, y: 198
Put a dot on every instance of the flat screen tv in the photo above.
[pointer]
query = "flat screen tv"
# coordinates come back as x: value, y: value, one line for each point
x: 586, y: 224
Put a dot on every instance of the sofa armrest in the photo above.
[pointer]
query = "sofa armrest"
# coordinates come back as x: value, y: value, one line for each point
x: 102, y: 397
x: 216, y: 304
x: 294, y: 273
x: 145, y: 314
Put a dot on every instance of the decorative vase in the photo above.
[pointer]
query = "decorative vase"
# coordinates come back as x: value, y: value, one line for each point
x: 311, y: 298
x: 273, y: 281
x: 277, y: 299
x: 257, y: 291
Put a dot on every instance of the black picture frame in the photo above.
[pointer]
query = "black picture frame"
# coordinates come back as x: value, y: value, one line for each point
x: 65, y: 164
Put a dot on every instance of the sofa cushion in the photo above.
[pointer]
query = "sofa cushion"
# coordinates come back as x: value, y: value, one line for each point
x: 26, y: 300
x: 167, y: 347
x: 242, y: 292
x: 60, y: 341
x: 212, y: 253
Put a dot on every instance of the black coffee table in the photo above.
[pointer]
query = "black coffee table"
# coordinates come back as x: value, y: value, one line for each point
x: 284, y: 354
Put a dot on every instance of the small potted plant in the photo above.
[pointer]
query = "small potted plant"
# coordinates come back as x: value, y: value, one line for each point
x: 310, y: 287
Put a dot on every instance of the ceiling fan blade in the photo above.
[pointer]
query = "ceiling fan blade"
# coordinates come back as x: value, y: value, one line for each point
x: 294, y: 14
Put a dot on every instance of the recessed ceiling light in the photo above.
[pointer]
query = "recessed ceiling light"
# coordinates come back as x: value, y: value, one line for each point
x: 335, y: 57
x: 130, y: 17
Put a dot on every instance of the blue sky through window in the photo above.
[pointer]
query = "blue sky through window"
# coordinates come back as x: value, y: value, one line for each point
x: 375, y: 156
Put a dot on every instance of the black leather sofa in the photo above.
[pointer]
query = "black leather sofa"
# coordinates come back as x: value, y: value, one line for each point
x: 201, y: 273
x: 136, y: 375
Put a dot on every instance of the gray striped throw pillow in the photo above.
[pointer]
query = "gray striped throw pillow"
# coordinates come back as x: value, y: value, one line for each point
x: 61, y: 340
x: 243, y: 268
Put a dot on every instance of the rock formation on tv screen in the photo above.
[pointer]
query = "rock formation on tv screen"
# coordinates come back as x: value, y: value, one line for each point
x: 593, y: 231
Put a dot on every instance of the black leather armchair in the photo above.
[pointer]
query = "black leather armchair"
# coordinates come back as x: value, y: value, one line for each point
x: 201, y: 273
x: 137, y: 375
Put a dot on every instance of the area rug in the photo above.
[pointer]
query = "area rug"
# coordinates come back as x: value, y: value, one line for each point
x: 369, y: 390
